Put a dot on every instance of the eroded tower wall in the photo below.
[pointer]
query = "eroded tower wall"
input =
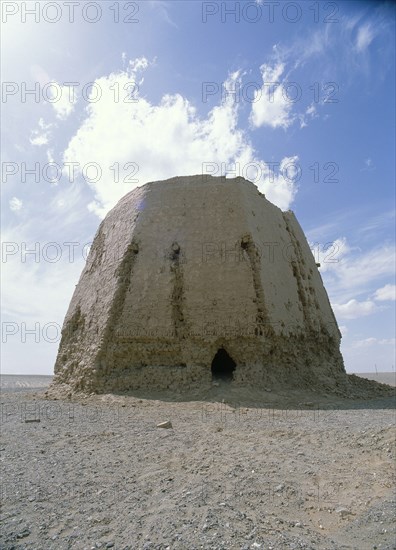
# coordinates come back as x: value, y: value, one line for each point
x: 181, y: 268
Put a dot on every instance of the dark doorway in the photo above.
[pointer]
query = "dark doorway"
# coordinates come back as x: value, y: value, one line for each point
x: 223, y: 366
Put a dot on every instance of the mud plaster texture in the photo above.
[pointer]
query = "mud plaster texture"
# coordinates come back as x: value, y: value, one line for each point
x: 183, y: 268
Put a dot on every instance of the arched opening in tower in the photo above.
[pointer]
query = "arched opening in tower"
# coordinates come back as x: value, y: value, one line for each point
x: 223, y: 366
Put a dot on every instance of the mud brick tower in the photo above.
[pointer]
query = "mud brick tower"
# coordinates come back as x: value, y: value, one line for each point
x: 196, y: 279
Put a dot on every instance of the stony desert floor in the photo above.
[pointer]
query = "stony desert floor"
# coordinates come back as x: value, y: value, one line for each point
x: 235, y: 471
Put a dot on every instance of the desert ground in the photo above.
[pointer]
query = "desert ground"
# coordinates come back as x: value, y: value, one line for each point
x: 237, y: 470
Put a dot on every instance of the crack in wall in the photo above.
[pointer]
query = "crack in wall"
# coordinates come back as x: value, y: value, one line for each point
x: 307, y: 302
x: 98, y: 248
x: 262, y: 317
x: 123, y: 274
x: 177, y: 296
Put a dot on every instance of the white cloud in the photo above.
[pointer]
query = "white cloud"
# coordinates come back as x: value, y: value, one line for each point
x: 341, y: 52
x: 350, y: 275
x: 63, y: 100
x: 366, y: 342
x: 138, y: 64
x: 330, y: 254
x: 50, y: 155
x: 30, y: 291
x: 39, y: 273
x: 271, y: 105
x: 38, y: 139
x: 387, y: 292
x: 327, y: 228
x: 368, y: 165
x: 41, y: 136
x: 161, y: 141
x: 163, y: 8
x: 356, y: 273
x: 15, y: 204
x: 354, y: 309
x: 374, y: 225
x: 364, y: 37
x: 363, y: 269
x: 311, y: 110
x: 36, y: 292
x: 310, y: 113
x: 369, y: 354
x: 281, y: 188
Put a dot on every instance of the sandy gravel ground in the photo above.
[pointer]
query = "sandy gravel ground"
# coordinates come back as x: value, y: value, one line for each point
x: 288, y: 471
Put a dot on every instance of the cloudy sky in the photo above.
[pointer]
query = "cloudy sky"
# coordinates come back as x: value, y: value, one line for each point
x: 101, y: 97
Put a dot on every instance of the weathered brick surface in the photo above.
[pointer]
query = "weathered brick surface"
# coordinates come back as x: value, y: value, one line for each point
x: 183, y: 267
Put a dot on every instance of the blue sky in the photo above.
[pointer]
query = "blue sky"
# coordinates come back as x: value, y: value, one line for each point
x: 296, y: 96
